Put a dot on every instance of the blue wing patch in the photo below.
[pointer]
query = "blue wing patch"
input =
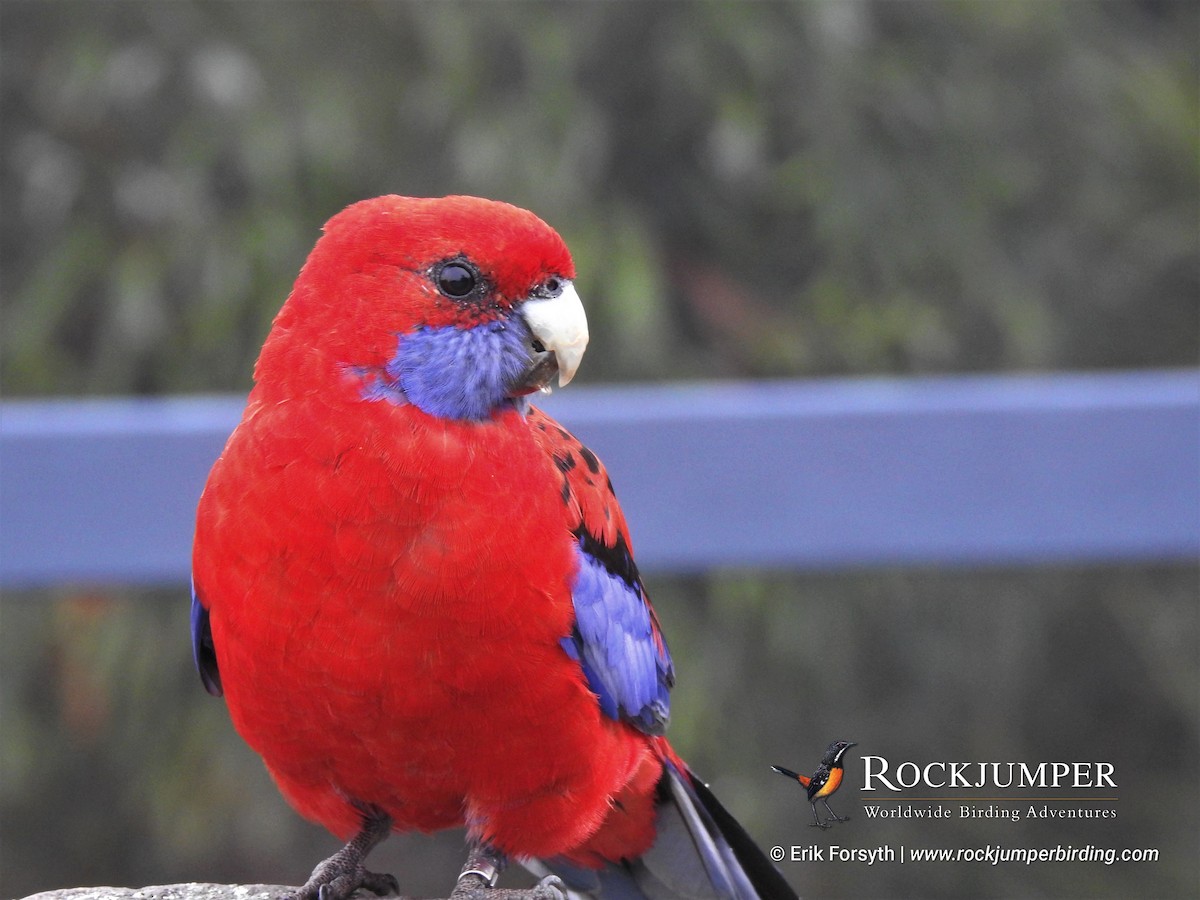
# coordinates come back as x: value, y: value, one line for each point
x: 617, y: 641
x: 203, y: 650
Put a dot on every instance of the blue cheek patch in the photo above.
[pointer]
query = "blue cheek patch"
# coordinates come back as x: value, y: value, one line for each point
x: 624, y: 662
x: 375, y: 384
x: 454, y: 373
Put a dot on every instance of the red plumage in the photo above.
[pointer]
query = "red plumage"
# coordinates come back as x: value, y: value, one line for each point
x: 388, y: 590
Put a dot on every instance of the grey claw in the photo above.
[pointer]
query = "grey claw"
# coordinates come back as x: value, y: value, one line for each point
x: 550, y: 888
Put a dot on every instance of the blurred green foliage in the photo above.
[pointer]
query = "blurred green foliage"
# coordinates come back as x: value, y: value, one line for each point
x: 749, y: 189
x: 757, y: 188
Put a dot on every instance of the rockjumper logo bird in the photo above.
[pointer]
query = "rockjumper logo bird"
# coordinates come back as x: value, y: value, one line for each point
x: 823, y: 782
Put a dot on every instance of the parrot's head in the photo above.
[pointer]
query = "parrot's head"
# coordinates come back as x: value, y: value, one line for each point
x: 458, y: 305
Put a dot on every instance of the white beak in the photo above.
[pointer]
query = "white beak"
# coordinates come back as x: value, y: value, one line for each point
x: 560, y: 324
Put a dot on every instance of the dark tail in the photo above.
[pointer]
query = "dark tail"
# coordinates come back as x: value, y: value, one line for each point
x: 795, y: 776
x: 700, y: 852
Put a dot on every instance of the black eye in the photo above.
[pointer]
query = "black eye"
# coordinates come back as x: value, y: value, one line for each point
x: 552, y: 287
x: 456, y: 280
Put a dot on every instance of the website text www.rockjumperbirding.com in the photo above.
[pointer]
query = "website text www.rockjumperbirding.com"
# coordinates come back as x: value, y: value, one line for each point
x: 992, y: 854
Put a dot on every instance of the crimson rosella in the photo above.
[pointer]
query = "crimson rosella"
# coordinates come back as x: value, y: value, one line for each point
x: 417, y: 592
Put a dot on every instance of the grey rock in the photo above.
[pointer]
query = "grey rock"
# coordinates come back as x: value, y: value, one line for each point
x: 170, y: 892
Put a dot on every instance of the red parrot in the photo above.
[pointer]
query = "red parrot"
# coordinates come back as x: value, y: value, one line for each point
x: 417, y: 592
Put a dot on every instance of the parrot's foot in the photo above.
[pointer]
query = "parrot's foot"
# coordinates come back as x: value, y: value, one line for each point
x: 338, y: 877
x: 341, y: 884
x: 470, y: 888
x: 478, y: 878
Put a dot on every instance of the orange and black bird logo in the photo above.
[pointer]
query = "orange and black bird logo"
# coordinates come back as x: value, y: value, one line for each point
x: 824, y: 781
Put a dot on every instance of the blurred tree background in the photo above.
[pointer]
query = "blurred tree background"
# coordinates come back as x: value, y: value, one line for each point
x: 750, y: 190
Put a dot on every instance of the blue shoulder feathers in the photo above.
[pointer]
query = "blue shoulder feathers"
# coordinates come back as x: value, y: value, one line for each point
x: 616, y: 638
x: 203, y: 650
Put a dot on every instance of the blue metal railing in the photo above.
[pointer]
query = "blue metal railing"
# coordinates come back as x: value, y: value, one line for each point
x: 1011, y: 470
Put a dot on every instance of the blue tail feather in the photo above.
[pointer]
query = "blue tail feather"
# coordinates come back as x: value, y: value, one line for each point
x: 700, y: 852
